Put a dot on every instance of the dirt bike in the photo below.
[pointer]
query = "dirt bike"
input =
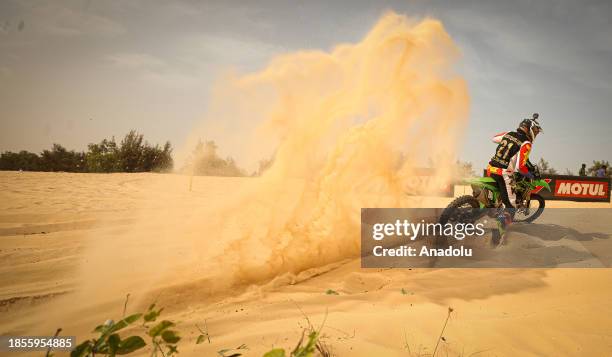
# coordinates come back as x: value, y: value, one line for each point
x: 485, y: 200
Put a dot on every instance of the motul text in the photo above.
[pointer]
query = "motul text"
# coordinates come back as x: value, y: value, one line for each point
x: 581, y: 189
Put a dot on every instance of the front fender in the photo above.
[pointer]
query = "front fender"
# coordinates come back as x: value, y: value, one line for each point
x: 541, y: 183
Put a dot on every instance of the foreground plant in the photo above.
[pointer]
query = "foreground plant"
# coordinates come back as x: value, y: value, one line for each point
x: 301, y: 350
x: 305, y: 348
x: 232, y: 352
x: 162, y: 337
x: 109, y: 342
x: 164, y: 340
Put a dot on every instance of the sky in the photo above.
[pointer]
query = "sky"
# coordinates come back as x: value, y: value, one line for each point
x: 75, y: 72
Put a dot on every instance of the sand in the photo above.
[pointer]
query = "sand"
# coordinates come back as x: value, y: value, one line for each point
x: 252, y: 259
x: 73, y: 245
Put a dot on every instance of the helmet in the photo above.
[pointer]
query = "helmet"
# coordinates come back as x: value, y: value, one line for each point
x: 531, y: 126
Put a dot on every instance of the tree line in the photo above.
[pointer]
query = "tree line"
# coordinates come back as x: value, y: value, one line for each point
x: 466, y: 169
x: 546, y: 168
x: 132, y: 154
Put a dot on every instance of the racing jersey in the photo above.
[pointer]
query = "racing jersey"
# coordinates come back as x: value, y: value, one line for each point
x: 512, y: 153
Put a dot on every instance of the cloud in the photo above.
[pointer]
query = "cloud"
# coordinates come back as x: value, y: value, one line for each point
x: 537, y: 38
x: 61, y: 19
x: 135, y: 60
x: 225, y: 51
x: 195, y: 58
x: 153, y: 69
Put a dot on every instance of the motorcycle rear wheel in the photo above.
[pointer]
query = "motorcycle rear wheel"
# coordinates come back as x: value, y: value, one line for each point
x: 461, y: 210
x: 464, y: 209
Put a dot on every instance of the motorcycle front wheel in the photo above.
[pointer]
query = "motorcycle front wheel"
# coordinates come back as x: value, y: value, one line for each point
x: 532, y: 211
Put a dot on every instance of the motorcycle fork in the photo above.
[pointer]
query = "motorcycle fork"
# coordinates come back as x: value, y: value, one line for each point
x: 526, y: 201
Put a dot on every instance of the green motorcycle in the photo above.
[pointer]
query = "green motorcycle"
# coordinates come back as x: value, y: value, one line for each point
x: 485, y: 200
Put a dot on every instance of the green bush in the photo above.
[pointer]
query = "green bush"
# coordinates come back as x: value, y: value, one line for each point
x: 164, y: 340
x: 109, y: 343
x: 60, y: 159
x: 22, y: 160
x: 133, y: 154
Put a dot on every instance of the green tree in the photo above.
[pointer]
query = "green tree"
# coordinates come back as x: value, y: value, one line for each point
x: 164, y: 161
x: 103, y: 157
x: 60, y: 159
x: 545, y: 167
x: 132, y: 155
x: 155, y: 158
x: 130, y: 152
x: 23, y: 160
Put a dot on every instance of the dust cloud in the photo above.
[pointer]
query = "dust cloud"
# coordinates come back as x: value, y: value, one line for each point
x: 347, y: 129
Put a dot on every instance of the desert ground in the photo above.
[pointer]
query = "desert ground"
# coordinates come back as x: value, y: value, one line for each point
x: 72, y: 247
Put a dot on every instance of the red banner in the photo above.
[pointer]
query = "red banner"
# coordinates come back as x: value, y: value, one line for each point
x: 577, y: 188
x: 582, y: 189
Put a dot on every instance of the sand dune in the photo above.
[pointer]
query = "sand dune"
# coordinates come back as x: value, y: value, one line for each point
x: 72, y: 246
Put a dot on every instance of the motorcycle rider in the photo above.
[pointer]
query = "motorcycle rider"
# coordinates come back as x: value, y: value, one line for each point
x: 512, y: 155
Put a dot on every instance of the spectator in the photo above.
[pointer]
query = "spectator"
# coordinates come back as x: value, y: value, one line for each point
x: 601, y: 172
x: 583, y: 170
